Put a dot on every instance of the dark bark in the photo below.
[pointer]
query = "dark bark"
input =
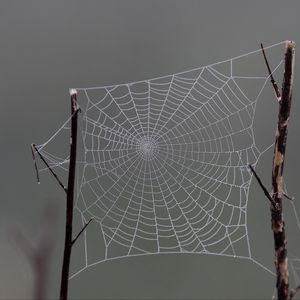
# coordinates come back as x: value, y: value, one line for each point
x: 278, y: 225
x: 70, y: 198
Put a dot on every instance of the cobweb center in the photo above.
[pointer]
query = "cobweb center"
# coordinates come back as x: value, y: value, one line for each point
x: 147, y: 148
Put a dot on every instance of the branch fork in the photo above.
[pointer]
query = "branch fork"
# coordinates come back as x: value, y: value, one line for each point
x: 34, y: 150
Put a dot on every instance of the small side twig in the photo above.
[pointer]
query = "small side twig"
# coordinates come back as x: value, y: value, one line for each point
x: 294, y: 291
x: 275, y: 86
x: 34, y: 163
x: 267, y: 194
x: 81, y: 231
x: 288, y: 197
x: 33, y: 147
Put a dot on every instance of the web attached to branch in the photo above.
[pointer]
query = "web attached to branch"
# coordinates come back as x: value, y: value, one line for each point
x: 165, y: 162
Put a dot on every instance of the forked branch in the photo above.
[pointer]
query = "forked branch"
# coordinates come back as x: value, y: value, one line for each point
x: 34, y: 148
x: 278, y: 225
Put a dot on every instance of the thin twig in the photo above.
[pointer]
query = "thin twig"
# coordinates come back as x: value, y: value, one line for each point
x: 262, y: 186
x: 81, y: 231
x: 50, y: 169
x: 34, y: 163
x: 294, y: 291
x: 288, y: 197
x: 275, y: 86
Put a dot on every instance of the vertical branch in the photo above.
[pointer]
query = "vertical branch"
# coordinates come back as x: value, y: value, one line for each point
x: 278, y: 225
x: 70, y: 198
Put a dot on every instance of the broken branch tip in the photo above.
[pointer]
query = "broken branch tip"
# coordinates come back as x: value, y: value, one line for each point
x: 72, y: 92
x: 290, y: 43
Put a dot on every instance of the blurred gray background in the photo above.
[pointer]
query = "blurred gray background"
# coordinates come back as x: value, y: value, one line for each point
x: 48, y: 47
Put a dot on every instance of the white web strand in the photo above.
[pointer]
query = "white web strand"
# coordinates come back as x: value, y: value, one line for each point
x: 165, y: 166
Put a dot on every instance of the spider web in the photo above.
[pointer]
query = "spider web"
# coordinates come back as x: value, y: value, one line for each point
x: 164, y: 164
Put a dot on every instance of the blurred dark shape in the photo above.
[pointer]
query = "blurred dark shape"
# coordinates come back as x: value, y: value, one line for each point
x: 39, y: 252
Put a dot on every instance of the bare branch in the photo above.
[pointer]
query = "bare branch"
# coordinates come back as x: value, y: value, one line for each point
x: 48, y: 166
x: 70, y: 198
x: 267, y: 194
x: 275, y: 86
x: 278, y: 224
x: 81, y: 231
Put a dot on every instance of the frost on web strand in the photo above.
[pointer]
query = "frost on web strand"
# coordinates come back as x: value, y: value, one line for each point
x: 164, y: 162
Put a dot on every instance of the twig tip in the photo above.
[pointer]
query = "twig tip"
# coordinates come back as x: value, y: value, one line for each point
x: 290, y: 44
x: 72, y: 92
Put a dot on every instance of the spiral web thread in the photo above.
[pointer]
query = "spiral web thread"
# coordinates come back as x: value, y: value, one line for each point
x: 165, y: 163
